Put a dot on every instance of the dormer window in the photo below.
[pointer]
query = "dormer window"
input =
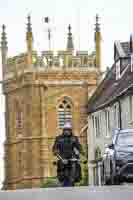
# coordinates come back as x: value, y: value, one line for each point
x: 118, y: 69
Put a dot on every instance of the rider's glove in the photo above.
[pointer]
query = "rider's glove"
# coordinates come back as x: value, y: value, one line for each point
x: 65, y: 161
x: 76, y: 151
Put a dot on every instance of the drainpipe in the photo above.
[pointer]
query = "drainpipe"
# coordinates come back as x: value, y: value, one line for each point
x: 120, y: 120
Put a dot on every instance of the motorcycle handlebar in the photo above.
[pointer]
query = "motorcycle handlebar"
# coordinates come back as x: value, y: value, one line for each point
x: 74, y: 160
x: 71, y: 159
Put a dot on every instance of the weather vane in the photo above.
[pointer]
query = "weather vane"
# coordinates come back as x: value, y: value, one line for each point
x: 47, y: 20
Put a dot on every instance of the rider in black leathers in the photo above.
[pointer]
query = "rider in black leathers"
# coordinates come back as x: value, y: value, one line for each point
x: 67, y: 146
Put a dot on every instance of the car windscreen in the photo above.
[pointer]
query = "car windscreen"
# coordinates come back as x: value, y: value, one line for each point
x: 125, y: 139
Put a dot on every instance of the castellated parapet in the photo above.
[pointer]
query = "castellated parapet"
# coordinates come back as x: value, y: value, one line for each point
x: 64, y: 60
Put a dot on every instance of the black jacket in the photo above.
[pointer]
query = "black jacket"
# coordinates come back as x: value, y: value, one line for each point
x: 64, y: 146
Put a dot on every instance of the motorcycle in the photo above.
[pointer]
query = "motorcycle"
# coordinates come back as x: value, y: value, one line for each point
x: 68, y: 171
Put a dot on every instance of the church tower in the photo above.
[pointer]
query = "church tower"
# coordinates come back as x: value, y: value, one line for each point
x: 41, y: 94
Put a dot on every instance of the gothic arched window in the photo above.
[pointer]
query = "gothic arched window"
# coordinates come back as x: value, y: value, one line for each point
x: 64, y: 113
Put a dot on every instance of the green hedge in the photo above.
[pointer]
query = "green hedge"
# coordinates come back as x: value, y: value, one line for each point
x: 50, y: 182
x: 84, y: 180
x: 53, y: 182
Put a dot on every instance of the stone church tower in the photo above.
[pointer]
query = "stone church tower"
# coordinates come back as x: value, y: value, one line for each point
x: 41, y: 93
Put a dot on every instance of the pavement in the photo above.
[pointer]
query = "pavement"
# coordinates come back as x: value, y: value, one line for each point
x: 75, y: 193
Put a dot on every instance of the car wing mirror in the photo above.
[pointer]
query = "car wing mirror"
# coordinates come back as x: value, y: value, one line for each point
x: 111, y: 146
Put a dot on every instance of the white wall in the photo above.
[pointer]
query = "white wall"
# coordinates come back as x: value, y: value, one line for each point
x: 94, y: 142
x: 104, y: 138
x: 125, y: 106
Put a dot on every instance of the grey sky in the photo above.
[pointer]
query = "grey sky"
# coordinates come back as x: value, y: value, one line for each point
x: 116, y: 24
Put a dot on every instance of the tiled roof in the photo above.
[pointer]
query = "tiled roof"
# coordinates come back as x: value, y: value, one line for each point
x: 110, y: 88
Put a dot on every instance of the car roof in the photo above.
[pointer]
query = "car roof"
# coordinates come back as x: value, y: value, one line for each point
x: 125, y: 131
x: 120, y: 132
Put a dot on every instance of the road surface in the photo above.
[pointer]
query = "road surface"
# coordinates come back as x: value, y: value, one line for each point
x: 77, y: 193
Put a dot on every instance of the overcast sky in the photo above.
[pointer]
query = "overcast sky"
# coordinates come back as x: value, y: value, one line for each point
x: 116, y: 18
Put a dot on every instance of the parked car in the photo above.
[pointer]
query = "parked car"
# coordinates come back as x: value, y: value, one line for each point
x: 117, y: 161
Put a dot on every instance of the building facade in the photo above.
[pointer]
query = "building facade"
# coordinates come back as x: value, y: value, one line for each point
x: 110, y: 107
x: 41, y: 94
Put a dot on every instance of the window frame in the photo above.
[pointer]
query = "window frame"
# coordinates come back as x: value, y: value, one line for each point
x: 96, y: 125
x: 107, y: 122
x: 131, y: 108
x: 65, y: 112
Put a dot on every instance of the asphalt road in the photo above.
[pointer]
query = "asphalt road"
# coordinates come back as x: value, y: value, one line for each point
x: 77, y: 193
